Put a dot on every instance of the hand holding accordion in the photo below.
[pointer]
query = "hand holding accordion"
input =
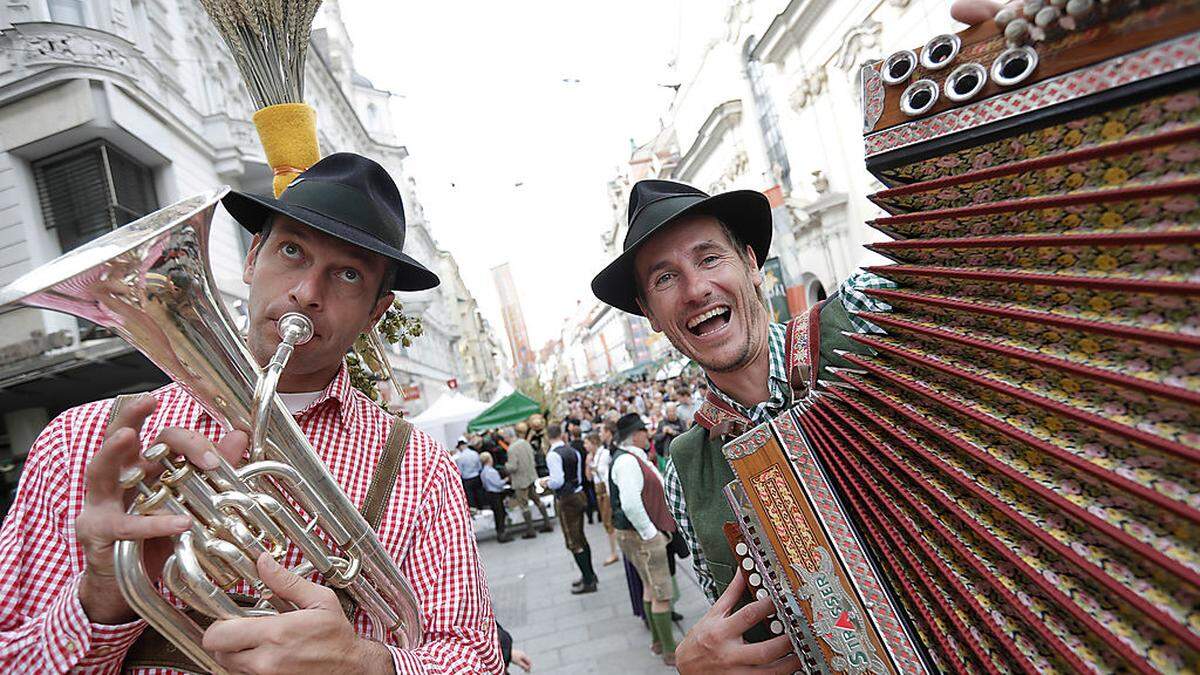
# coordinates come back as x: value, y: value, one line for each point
x: 1009, y: 479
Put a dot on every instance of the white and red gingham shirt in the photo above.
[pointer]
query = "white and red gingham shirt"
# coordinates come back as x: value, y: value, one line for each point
x: 43, y: 628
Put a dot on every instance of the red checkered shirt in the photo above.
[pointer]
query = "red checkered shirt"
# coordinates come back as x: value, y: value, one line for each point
x: 426, y: 526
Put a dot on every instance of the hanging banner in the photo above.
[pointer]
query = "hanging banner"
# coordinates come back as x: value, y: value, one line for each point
x: 775, y: 291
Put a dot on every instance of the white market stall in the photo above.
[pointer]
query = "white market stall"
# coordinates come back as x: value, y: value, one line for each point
x: 447, y: 418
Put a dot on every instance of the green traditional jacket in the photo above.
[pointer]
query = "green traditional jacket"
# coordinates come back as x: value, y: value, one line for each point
x: 699, y: 463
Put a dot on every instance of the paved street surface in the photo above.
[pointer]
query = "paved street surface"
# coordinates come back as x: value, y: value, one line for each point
x: 530, y: 581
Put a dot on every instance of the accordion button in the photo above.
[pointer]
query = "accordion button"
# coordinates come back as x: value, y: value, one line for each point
x: 760, y: 594
x: 776, y: 627
x: 742, y: 549
x: 1080, y: 8
x: 755, y: 579
x: 1017, y: 31
x: 1005, y: 16
x: 747, y: 564
x: 1047, y: 16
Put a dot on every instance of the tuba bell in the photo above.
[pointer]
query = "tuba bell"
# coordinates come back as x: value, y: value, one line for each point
x: 150, y: 283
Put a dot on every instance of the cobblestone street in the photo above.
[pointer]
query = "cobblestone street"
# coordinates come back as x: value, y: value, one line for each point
x: 530, y: 582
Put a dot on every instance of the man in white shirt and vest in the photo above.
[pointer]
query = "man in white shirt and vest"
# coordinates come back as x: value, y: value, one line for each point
x: 566, y: 466
x: 644, y: 526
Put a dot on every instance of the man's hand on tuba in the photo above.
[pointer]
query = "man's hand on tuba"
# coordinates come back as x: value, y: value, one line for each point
x: 314, y: 638
x: 103, y: 520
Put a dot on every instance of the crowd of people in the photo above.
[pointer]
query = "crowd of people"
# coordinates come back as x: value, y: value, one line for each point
x: 601, y: 456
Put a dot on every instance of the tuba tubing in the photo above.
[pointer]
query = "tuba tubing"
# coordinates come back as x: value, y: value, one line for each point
x: 150, y: 283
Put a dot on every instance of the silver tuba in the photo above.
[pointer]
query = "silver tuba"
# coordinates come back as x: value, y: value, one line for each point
x: 150, y: 283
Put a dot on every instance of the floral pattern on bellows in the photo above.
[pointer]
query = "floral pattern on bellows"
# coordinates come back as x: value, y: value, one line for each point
x: 1139, y: 519
x: 993, y: 590
x: 1018, y: 488
x: 1152, y: 116
x: 926, y: 583
x: 1158, y: 262
x: 1171, y: 213
x: 1167, y: 314
x: 1135, y: 410
x: 1160, y: 163
x: 1145, y: 637
x: 1151, y: 468
x: 1153, y: 362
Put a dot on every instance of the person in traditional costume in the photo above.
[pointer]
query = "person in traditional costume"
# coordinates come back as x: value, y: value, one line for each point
x: 691, y: 264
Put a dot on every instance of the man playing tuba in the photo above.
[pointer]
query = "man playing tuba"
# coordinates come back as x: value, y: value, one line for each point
x: 329, y: 247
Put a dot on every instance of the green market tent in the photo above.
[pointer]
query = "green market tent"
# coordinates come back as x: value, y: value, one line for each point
x: 508, y: 410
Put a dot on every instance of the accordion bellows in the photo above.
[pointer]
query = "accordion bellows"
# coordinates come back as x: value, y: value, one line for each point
x: 1019, y: 453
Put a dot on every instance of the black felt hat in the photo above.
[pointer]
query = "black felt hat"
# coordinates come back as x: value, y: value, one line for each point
x: 629, y: 423
x: 654, y: 204
x: 346, y: 196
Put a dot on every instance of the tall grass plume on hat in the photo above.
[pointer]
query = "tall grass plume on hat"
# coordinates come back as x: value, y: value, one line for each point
x: 269, y: 43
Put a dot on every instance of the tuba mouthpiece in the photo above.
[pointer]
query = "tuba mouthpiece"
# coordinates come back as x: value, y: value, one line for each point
x: 295, y: 328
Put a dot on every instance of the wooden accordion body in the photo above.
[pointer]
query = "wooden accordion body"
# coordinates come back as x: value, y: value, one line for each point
x: 1007, y: 478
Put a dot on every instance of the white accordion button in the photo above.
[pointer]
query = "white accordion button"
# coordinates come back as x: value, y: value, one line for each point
x: 776, y: 627
x: 755, y: 579
x: 762, y: 593
x: 742, y: 549
x: 747, y: 564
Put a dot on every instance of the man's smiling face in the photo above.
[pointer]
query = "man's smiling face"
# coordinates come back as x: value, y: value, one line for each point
x: 701, y: 291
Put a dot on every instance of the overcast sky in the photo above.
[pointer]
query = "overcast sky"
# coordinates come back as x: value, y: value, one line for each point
x: 511, y: 161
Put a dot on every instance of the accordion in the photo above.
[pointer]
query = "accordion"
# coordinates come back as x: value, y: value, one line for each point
x: 1006, y: 478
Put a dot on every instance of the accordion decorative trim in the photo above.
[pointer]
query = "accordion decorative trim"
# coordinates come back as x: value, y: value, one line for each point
x: 1157, y: 60
x: 872, y: 96
x: 790, y: 495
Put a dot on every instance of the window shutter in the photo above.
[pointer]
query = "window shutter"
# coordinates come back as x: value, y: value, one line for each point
x: 74, y: 196
x: 133, y: 185
x: 90, y: 190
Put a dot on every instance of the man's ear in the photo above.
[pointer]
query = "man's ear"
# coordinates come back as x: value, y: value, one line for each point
x: 755, y: 270
x: 649, y: 317
x: 251, y: 258
x: 381, y: 306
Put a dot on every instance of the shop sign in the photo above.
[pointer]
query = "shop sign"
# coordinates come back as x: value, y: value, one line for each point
x: 775, y: 291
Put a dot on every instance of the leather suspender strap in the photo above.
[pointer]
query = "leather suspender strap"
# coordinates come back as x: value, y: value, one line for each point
x: 383, y: 481
x: 152, y: 650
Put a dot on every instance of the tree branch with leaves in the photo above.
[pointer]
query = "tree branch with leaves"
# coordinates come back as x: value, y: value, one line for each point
x: 364, y: 362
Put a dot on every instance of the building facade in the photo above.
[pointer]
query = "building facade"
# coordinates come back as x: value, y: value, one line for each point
x: 478, y: 357
x: 110, y: 109
x: 768, y: 100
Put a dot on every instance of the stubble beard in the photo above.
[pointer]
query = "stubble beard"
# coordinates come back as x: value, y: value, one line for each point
x: 729, y: 365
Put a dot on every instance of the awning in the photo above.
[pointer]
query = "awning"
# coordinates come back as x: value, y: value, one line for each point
x: 508, y: 410
x: 632, y: 372
x: 447, y: 418
x: 671, y: 369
